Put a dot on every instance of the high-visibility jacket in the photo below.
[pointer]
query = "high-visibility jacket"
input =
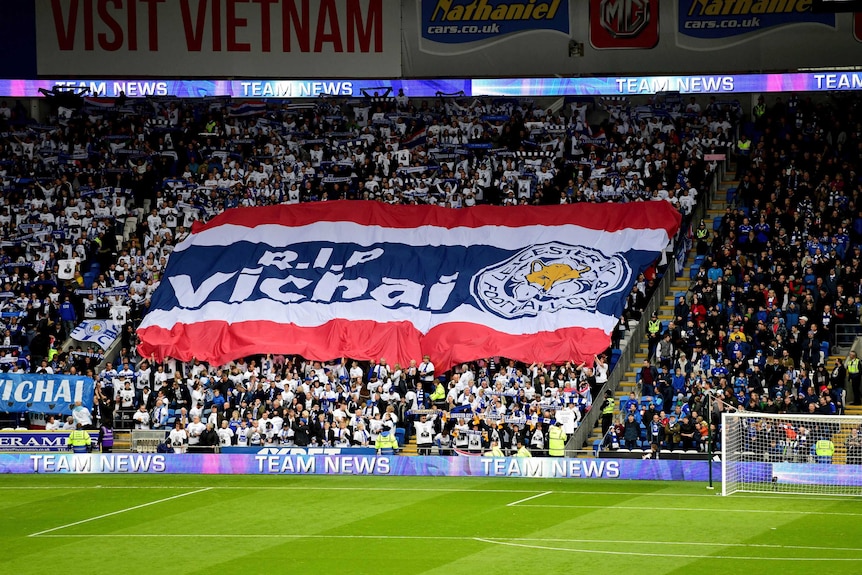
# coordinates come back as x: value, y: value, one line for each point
x: 556, y: 441
x: 853, y: 366
x: 439, y: 393
x: 495, y: 452
x: 78, y: 440
x: 744, y: 147
x: 608, y: 409
x: 524, y: 452
x: 386, y: 444
x: 824, y: 448
x: 654, y: 326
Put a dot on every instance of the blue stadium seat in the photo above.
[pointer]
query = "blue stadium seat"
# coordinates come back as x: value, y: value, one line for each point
x: 730, y: 196
x: 695, y: 269
x: 399, y: 436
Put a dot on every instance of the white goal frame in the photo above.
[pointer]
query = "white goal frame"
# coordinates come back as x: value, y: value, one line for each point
x: 778, y: 453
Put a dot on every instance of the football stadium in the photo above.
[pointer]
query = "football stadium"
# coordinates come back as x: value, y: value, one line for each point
x: 447, y: 286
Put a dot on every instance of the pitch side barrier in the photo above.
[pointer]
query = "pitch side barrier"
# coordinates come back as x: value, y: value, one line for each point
x: 719, y: 85
x: 266, y: 463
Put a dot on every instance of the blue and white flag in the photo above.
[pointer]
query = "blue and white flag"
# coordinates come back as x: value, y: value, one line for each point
x: 99, y: 331
x: 44, y: 393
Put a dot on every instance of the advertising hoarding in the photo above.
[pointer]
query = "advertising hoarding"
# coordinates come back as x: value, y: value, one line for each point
x: 220, y: 38
x: 649, y: 37
x: 282, y: 90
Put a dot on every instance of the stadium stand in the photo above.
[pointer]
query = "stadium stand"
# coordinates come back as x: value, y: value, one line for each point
x: 773, y: 297
x: 95, y: 200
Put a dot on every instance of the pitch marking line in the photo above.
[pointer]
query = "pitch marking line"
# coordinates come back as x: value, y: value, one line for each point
x: 766, y: 496
x: 710, y: 509
x: 511, y: 541
x: 528, y: 498
x: 118, y: 512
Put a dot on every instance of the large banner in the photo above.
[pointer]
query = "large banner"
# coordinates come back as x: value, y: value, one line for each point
x: 221, y: 38
x: 370, y: 280
x: 544, y: 467
x: 44, y: 393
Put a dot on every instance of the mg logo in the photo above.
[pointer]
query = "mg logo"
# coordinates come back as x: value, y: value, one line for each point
x: 624, y: 24
x: 624, y: 18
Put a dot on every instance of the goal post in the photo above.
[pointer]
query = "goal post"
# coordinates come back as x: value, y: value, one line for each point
x: 791, y: 453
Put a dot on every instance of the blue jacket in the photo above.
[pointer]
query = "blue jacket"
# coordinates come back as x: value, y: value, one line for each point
x: 67, y: 311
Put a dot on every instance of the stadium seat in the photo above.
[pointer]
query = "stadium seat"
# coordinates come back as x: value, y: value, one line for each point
x: 730, y: 195
x: 695, y: 269
x: 399, y: 436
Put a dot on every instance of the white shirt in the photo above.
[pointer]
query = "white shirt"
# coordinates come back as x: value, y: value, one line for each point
x: 178, y: 438
x: 225, y: 436
x: 142, y: 419
x: 426, y: 371
x: 195, y: 430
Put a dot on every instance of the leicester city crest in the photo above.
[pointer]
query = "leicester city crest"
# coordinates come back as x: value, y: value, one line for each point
x: 549, y: 277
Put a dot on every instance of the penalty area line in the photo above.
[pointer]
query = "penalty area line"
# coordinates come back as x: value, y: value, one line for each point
x: 142, y: 505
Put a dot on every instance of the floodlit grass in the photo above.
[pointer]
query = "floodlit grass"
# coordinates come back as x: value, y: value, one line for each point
x: 249, y: 524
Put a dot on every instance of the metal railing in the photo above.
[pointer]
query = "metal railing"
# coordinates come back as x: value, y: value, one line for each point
x: 843, y: 336
x: 636, y: 335
x: 144, y: 441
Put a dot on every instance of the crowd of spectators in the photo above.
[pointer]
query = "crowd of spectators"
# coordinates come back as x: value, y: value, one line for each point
x: 95, y: 199
x: 778, y: 276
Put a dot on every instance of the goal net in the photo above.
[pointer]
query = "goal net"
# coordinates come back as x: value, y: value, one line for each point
x: 805, y: 454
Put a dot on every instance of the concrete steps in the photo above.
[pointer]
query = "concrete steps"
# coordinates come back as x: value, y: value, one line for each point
x: 409, y: 448
x: 680, y: 284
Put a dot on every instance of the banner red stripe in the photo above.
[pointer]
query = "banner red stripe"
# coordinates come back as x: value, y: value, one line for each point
x: 398, y: 342
x: 637, y: 215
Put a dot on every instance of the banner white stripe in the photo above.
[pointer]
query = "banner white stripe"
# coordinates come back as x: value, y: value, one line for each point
x: 503, y: 237
x: 314, y: 314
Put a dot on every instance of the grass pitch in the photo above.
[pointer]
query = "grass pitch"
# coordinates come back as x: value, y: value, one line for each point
x: 250, y: 524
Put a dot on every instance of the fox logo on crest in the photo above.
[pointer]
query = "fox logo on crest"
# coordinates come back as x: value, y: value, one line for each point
x: 546, y: 276
x: 550, y: 277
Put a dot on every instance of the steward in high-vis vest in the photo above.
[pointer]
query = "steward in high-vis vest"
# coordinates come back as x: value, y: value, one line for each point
x: 608, y: 412
x: 824, y: 448
x: 653, y: 333
x: 743, y: 155
x: 702, y: 236
x: 557, y: 440
x: 853, y: 372
x: 386, y: 444
x: 79, y: 440
x: 495, y: 450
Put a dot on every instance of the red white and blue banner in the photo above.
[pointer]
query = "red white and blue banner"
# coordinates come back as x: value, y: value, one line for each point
x: 368, y: 280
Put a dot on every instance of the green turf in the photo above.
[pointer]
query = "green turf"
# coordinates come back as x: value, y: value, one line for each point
x: 251, y: 524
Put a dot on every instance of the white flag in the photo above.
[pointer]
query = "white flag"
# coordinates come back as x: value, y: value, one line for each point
x: 98, y: 331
